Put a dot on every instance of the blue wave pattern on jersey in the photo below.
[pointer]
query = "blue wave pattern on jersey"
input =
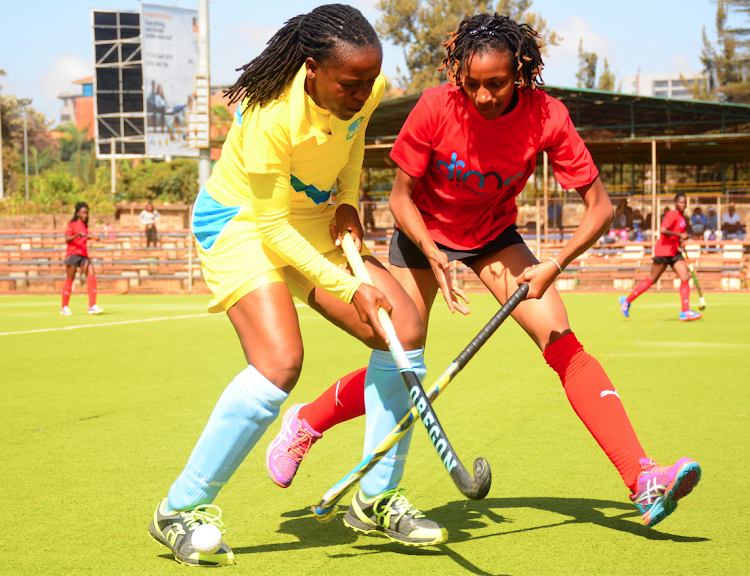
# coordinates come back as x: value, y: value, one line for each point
x: 317, y: 196
x: 210, y: 218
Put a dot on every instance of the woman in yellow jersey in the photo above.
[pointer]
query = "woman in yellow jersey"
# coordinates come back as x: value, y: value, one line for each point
x: 268, y: 226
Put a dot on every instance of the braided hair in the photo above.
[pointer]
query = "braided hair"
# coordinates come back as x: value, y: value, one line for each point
x: 314, y: 35
x: 482, y: 33
x: 79, y: 205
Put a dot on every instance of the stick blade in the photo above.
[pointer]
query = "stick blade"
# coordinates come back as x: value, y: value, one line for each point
x: 478, y: 487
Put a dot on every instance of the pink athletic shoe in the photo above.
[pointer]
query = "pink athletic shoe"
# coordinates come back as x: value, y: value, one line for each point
x: 286, y: 451
x: 660, y: 487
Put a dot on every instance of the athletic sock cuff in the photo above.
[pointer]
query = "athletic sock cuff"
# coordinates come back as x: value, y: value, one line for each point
x: 256, y: 386
x: 382, y: 359
x: 561, y: 350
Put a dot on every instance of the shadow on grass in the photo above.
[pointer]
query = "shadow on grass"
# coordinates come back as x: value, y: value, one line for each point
x: 462, y: 518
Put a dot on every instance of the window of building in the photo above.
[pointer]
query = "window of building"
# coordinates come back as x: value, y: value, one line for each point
x: 661, y: 83
x: 661, y: 93
x: 65, y: 118
x: 681, y: 93
x: 88, y: 89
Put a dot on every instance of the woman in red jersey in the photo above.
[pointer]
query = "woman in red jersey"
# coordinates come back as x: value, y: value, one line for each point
x: 77, y: 256
x: 672, y: 235
x: 463, y: 155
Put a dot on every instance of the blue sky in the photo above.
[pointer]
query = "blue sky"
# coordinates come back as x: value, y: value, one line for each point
x: 46, y: 44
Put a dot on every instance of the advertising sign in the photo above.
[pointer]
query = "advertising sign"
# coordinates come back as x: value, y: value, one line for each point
x: 170, y: 65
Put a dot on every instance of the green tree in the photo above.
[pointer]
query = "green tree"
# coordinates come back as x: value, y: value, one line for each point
x: 12, y: 113
x: 727, y: 66
x: 419, y: 27
x: 606, y: 78
x: 586, y: 75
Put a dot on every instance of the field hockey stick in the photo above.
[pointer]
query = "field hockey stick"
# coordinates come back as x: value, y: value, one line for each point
x: 325, y: 510
x: 695, y: 280
x: 474, y: 488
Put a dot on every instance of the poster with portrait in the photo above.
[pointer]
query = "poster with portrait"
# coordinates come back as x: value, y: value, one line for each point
x: 170, y: 64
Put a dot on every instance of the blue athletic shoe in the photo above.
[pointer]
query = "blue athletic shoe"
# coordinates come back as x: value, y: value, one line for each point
x: 625, y: 306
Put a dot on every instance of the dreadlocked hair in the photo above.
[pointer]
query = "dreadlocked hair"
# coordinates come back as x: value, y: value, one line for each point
x: 482, y: 33
x: 313, y: 35
x: 79, y: 205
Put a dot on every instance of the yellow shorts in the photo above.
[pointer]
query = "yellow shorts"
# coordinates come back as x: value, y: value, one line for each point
x: 235, y: 261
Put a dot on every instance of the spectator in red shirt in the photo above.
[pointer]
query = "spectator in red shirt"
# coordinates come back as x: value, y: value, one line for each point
x: 672, y: 236
x: 77, y: 257
x: 463, y: 155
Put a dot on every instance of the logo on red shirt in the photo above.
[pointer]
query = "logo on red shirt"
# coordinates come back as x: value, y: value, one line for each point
x: 453, y: 172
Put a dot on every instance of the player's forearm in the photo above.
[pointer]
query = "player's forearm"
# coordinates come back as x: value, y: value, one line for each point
x: 407, y: 215
x: 596, y: 219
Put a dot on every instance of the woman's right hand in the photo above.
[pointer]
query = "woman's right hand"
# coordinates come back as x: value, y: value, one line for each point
x: 367, y: 300
x: 451, y: 293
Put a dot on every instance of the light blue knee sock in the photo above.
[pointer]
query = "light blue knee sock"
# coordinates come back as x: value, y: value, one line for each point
x: 386, y: 402
x: 245, y: 410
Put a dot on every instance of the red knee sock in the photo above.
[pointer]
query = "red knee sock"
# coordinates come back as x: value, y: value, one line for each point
x: 685, y: 295
x: 640, y: 289
x: 341, y: 402
x: 91, y: 284
x: 67, y: 288
x: 597, y: 404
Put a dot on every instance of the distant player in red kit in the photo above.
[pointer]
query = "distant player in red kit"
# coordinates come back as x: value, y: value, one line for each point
x: 77, y: 256
x: 672, y: 235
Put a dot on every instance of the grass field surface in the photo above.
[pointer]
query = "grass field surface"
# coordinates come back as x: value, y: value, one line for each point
x: 102, y: 412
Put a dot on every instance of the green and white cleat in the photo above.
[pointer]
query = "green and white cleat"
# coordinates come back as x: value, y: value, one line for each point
x: 174, y: 531
x: 391, y: 514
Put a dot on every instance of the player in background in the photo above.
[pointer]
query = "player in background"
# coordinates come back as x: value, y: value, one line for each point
x: 464, y: 153
x: 672, y: 235
x: 77, y: 257
x: 267, y: 228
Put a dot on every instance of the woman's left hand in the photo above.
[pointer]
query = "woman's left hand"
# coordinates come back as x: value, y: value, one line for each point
x: 539, y: 277
x: 347, y: 220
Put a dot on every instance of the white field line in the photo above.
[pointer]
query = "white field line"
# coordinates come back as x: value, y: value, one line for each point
x: 40, y: 330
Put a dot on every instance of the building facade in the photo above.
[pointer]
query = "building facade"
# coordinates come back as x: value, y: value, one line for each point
x: 665, y: 85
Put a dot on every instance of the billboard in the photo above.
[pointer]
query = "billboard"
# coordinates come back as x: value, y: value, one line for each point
x: 170, y: 66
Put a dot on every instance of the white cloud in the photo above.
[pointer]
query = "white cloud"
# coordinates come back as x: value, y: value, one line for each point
x: 59, y: 75
x: 561, y: 62
x: 575, y: 30
x: 680, y: 63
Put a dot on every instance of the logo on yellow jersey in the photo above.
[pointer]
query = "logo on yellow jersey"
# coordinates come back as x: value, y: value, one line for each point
x: 354, y: 127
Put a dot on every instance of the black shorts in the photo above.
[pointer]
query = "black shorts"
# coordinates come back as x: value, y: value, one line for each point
x: 77, y: 260
x: 404, y: 253
x: 670, y: 260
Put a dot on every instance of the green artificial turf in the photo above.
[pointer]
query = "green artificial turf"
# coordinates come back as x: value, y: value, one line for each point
x: 99, y: 421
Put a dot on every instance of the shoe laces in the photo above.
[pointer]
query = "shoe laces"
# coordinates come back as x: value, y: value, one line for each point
x: 394, y: 509
x: 300, y: 444
x: 204, y: 514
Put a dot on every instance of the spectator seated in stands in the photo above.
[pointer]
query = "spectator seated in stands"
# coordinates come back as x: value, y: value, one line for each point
x: 637, y: 227
x: 619, y: 228
x: 711, y: 226
x: 697, y: 223
x: 731, y: 226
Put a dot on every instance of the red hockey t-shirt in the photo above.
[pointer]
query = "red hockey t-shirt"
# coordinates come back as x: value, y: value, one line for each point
x: 78, y: 245
x: 668, y: 245
x: 471, y: 169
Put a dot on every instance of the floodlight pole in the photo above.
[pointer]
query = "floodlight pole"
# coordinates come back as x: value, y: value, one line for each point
x: 26, y: 148
x: 204, y: 154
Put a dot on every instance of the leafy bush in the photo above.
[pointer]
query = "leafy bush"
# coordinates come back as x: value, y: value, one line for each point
x: 174, y: 182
